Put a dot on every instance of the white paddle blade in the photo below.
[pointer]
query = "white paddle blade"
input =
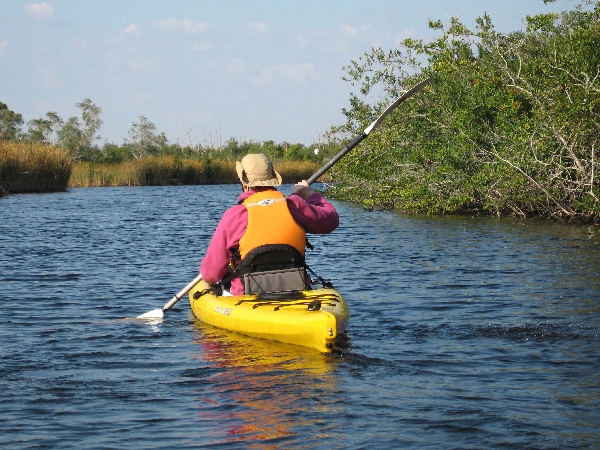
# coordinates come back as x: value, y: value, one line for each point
x: 154, y: 314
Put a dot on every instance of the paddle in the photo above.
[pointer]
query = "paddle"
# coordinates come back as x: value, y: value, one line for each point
x: 375, y: 124
x: 159, y: 313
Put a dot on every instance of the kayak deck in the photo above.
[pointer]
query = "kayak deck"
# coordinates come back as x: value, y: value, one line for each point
x: 313, y: 318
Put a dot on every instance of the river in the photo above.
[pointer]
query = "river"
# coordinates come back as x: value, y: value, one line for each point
x: 465, y: 332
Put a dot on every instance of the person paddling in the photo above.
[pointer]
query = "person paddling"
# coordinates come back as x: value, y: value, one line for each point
x: 265, y: 226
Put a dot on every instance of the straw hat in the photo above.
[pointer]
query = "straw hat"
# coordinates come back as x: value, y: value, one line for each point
x: 257, y: 170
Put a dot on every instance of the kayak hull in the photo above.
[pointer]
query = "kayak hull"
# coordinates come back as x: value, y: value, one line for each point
x: 286, y: 319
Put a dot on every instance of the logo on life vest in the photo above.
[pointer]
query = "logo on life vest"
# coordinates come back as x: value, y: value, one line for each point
x: 265, y: 202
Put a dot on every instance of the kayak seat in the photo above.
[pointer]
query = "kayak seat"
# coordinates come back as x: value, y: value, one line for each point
x: 273, y: 268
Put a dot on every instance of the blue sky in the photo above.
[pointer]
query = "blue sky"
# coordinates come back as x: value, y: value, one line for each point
x: 206, y: 71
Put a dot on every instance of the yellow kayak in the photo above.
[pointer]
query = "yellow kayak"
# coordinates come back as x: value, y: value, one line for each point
x: 312, y: 318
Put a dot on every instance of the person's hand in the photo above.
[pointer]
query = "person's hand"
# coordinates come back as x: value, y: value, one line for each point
x: 302, y: 189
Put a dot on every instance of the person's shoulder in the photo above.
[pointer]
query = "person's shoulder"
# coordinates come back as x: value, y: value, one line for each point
x: 234, y: 210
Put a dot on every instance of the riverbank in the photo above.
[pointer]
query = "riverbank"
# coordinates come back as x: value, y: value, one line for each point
x: 169, y: 170
x: 28, y: 167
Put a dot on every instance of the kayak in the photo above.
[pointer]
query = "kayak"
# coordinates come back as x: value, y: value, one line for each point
x: 311, y: 318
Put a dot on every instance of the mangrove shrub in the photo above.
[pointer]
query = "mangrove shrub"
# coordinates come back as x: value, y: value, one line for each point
x: 510, y: 124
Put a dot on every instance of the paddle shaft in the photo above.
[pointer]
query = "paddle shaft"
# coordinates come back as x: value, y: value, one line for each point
x: 367, y: 130
x: 181, y: 293
x: 315, y: 176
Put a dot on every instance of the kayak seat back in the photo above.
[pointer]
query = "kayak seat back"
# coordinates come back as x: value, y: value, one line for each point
x: 273, y: 268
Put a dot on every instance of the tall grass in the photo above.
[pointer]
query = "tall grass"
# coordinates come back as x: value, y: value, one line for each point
x: 167, y: 170
x: 26, y: 167
x: 43, y: 168
x: 294, y: 171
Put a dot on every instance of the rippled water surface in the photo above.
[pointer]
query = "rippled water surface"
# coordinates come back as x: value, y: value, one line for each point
x: 464, y: 332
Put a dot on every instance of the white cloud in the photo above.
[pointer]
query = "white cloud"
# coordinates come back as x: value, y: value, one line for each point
x: 145, y: 64
x: 343, y: 44
x: 184, y: 26
x: 133, y: 30
x: 40, y: 12
x: 353, y: 31
x: 339, y: 40
x: 350, y: 31
x: 201, y: 46
x: 237, y: 67
x: 297, y: 73
x: 404, y: 35
x: 265, y: 77
x: 3, y: 46
x: 258, y: 28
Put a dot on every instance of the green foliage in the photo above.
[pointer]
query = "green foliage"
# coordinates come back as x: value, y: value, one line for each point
x: 10, y: 123
x: 39, y: 131
x: 144, y: 140
x: 509, y: 125
x: 78, y: 136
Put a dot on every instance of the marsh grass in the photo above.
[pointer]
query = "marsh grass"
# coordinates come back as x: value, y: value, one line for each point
x: 168, y: 170
x: 26, y: 167
x: 294, y: 171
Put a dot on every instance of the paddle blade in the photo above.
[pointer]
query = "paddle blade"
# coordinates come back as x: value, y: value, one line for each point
x: 154, y: 314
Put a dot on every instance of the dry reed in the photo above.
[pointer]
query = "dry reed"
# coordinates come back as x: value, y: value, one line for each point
x: 26, y: 167
x: 167, y: 170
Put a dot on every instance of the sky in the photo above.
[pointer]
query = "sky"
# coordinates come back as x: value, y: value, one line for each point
x: 207, y: 71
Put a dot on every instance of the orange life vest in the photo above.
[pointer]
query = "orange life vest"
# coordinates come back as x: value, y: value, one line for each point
x: 270, y: 222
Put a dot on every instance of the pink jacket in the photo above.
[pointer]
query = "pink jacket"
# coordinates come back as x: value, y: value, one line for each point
x: 315, y: 214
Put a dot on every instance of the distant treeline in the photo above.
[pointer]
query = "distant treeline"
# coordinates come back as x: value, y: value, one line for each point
x: 78, y: 136
x: 53, y: 154
x: 29, y: 167
x: 510, y: 124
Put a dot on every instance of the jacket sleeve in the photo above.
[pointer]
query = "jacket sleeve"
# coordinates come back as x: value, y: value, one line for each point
x: 315, y: 214
x: 230, y: 229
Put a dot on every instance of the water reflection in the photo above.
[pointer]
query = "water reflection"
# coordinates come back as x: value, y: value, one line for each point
x: 262, y: 391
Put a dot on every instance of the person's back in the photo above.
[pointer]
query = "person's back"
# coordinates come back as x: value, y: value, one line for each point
x: 264, y: 217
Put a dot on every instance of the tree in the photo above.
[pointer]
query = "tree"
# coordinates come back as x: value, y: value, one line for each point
x: 42, y: 130
x: 112, y: 153
x: 39, y: 131
x: 77, y: 137
x: 56, y: 124
x: 272, y: 150
x: 91, y: 122
x: 70, y: 137
x: 144, y: 141
x: 10, y: 123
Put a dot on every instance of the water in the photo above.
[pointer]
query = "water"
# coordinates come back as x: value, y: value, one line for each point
x: 464, y: 332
